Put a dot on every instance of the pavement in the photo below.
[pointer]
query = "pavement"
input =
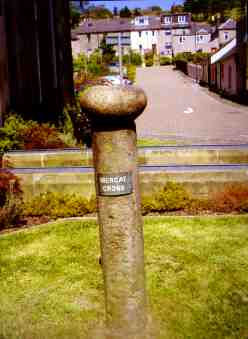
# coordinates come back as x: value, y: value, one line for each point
x: 181, y: 110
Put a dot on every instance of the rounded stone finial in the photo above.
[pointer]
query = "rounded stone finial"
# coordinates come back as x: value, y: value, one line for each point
x: 113, y: 102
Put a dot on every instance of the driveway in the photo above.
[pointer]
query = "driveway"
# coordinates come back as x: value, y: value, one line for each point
x: 179, y: 109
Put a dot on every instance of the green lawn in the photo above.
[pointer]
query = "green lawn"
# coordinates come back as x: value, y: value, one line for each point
x: 197, y: 277
x: 156, y: 142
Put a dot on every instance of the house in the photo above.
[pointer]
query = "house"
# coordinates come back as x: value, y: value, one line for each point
x: 227, y: 32
x: 198, y: 38
x: 223, y: 68
x: 167, y: 34
x: 145, y: 34
x: 90, y: 33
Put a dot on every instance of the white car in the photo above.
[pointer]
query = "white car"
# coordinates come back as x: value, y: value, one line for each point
x: 116, y: 80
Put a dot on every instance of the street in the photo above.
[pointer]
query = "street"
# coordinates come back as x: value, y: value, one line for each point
x: 180, y: 110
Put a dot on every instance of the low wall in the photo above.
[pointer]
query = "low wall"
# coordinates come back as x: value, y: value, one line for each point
x: 199, y: 182
x: 146, y: 156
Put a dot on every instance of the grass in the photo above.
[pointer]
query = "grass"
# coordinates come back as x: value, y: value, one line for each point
x: 197, y: 278
x: 145, y: 142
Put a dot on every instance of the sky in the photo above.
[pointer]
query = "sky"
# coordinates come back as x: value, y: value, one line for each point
x: 164, y: 4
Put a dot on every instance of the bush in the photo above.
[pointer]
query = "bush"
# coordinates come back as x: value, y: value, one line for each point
x: 89, y: 67
x: 10, y: 133
x: 149, y: 205
x: 181, y: 60
x: 20, y: 134
x: 199, y: 57
x: 136, y: 59
x: 149, y: 59
x: 149, y: 62
x: 126, y: 59
x: 165, y: 61
x: 41, y: 136
x: 9, y: 185
x: 173, y: 197
x: 10, y: 200
x: 60, y: 205
x: 10, y: 213
x: 233, y: 199
x: 131, y: 72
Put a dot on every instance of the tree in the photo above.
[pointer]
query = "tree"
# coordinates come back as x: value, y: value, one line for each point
x: 137, y: 12
x: 156, y: 9
x: 115, y: 11
x: 75, y: 16
x: 177, y: 9
x: 108, y: 52
x: 209, y: 8
x: 125, y: 12
x: 99, y: 12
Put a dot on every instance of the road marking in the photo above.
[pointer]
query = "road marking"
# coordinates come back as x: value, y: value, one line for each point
x: 189, y: 110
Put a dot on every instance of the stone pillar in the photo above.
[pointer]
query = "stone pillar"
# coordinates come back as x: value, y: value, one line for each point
x: 113, y: 110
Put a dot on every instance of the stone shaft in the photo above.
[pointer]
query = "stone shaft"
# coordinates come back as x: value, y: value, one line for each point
x: 121, y: 237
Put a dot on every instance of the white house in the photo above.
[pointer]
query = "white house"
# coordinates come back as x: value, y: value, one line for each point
x: 145, y: 34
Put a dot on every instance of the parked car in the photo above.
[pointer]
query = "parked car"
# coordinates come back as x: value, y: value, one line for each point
x: 116, y: 80
x: 114, y: 68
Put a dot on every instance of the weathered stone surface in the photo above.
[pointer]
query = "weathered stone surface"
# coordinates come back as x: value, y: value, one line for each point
x: 121, y: 228
x: 166, y: 156
x: 199, y: 184
x: 121, y: 235
x: 113, y: 102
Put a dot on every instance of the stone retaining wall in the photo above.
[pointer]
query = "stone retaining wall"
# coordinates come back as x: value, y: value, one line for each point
x: 199, y: 183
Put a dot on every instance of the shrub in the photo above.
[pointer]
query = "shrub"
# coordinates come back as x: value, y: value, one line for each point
x: 181, y: 60
x: 199, y: 57
x: 10, y: 199
x: 244, y: 206
x: 131, y: 72
x: 9, y: 185
x: 173, y: 197
x: 182, y: 66
x: 126, y: 59
x: 41, y: 136
x: 233, y: 198
x: 149, y: 60
x: 10, y: 136
x: 10, y: 213
x: 136, y: 59
x: 20, y: 134
x: 59, y: 205
x: 149, y: 205
x: 164, y: 61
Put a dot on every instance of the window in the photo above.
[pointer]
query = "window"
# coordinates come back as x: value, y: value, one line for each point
x: 182, y: 39
x: 140, y: 47
x: 153, y: 33
x: 140, y: 34
x: 141, y: 20
x: 226, y: 35
x: 167, y: 32
x: 167, y: 20
x: 200, y: 39
x: 181, y: 19
x: 168, y: 46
